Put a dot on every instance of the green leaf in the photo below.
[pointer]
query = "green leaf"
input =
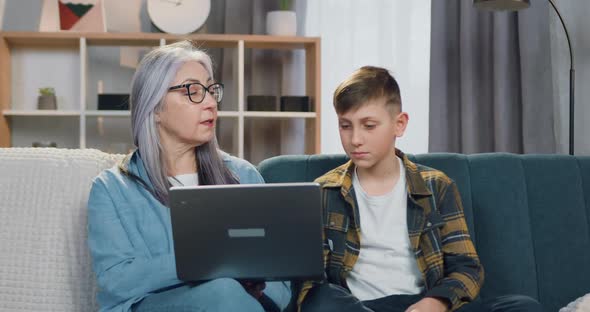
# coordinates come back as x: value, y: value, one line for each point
x: 47, y: 91
x: 284, y: 5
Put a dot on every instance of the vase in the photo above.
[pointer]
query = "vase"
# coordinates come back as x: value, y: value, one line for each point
x: 46, y: 102
x: 281, y: 23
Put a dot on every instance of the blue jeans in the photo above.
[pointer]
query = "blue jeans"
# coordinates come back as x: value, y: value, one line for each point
x: 224, y: 294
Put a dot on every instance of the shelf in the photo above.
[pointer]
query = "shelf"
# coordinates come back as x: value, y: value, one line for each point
x: 280, y: 114
x: 41, y: 113
x: 227, y: 114
x: 123, y: 113
x: 68, y: 58
x: 141, y: 39
x: 114, y: 113
x: 54, y: 39
x: 108, y: 113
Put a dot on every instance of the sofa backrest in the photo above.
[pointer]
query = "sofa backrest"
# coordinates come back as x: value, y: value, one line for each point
x: 529, y: 216
x: 44, y: 259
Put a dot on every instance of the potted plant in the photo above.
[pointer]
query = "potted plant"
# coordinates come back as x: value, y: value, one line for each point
x: 46, y: 99
x: 282, y: 22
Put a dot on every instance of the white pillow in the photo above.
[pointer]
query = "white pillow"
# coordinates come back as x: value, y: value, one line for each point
x: 581, y: 304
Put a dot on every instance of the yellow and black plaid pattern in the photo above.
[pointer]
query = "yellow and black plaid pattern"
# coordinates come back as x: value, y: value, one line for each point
x: 436, y: 226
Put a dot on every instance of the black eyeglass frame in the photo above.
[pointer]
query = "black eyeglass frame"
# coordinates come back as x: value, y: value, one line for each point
x: 188, y: 85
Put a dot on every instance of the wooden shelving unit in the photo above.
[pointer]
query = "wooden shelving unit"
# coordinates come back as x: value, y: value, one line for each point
x: 76, y: 45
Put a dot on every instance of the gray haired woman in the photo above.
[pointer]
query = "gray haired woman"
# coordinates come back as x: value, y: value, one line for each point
x: 174, y: 100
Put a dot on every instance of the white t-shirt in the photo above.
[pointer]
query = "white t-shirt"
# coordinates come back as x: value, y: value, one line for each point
x: 188, y: 179
x: 386, y: 264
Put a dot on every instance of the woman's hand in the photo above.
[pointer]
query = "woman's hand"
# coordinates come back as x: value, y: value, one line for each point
x: 428, y: 304
x: 254, y: 288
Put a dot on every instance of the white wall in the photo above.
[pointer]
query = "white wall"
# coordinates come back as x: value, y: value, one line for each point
x: 394, y: 34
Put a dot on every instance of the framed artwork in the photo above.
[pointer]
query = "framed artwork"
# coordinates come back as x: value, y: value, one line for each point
x: 49, y: 16
x: 1, y: 13
x: 87, y: 15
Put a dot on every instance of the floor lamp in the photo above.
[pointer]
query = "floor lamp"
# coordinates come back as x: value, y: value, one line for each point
x: 513, y: 5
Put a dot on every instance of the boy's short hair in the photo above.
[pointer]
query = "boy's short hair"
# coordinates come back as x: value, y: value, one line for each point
x: 365, y: 84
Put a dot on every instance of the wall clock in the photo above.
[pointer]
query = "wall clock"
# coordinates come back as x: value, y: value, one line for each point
x: 178, y: 16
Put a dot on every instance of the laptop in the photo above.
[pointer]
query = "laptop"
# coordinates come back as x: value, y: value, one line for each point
x: 248, y: 231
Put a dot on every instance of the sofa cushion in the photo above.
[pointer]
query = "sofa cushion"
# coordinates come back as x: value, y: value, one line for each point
x: 298, y: 168
x: 559, y: 226
x: 44, y: 263
x: 503, y: 228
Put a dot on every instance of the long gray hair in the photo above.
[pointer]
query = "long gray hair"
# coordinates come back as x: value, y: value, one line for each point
x: 148, y: 89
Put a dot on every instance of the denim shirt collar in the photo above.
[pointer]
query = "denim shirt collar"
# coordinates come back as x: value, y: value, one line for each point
x: 133, y: 164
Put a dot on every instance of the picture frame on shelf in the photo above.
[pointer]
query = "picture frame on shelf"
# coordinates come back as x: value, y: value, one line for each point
x: 2, y: 5
x: 49, y: 16
x: 82, y: 15
x: 113, y: 101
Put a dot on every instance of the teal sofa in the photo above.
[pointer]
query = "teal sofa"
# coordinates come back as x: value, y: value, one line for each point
x: 529, y: 216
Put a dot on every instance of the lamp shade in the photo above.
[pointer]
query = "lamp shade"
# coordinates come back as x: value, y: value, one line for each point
x: 508, y: 5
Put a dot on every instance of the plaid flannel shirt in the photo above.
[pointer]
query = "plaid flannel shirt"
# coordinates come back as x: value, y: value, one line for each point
x: 436, y: 225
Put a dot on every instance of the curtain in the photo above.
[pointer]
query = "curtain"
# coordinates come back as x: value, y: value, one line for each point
x: 575, y: 15
x: 490, y: 80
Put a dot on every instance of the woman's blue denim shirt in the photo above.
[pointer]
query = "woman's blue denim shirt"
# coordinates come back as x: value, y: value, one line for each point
x: 130, y: 236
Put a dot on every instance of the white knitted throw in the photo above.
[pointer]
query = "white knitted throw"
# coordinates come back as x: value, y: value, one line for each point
x: 44, y: 259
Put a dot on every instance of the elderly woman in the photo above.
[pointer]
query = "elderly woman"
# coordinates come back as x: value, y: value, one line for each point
x: 174, y: 100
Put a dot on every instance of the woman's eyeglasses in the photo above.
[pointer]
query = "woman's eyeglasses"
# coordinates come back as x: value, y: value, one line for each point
x: 196, y: 92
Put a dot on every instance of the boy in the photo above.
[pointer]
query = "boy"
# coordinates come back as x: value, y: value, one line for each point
x: 395, y: 234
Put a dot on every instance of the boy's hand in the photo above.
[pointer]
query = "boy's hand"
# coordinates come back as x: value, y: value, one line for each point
x: 428, y: 304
